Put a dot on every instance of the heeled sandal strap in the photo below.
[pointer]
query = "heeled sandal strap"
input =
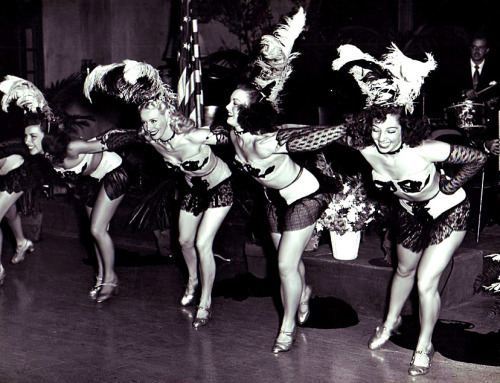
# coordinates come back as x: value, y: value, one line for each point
x: 112, y: 284
x: 428, y: 354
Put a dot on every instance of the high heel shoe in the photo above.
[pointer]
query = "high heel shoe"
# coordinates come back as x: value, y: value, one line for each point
x: 424, y: 360
x: 199, y: 322
x: 96, y: 289
x: 104, y: 296
x: 284, y: 346
x: 2, y: 276
x: 382, y: 335
x: 302, y: 317
x: 21, y: 250
x: 189, y: 296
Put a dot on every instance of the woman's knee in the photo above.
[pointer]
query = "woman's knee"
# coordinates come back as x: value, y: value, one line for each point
x: 204, y: 247
x: 427, y: 285
x: 98, y: 232
x: 287, y: 268
x: 405, y: 272
x: 186, y: 242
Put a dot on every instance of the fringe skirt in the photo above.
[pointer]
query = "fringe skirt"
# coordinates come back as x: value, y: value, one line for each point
x: 116, y: 184
x: 417, y: 232
x: 199, y: 198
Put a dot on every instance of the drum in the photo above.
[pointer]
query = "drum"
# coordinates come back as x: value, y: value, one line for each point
x: 466, y: 115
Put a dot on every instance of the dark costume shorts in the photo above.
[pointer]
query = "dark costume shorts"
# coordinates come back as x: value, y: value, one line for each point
x: 198, y: 198
x: 418, y: 231
x: 19, y: 179
x: 115, y: 183
x: 299, y: 215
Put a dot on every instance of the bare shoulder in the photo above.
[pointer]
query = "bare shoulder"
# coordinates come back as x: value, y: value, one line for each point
x: 434, y: 150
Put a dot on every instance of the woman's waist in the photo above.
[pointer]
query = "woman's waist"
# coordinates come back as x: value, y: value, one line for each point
x: 280, y: 178
x: 422, y: 196
x: 303, y: 185
x: 214, y: 174
x: 108, y: 162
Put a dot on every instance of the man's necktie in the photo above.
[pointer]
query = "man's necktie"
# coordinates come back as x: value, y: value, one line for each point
x: 475, y: 77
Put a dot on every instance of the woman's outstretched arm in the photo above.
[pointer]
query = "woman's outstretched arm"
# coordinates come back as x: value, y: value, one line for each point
x: 310, y: 138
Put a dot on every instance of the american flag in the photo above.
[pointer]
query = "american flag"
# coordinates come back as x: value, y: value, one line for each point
x: 189, y: 91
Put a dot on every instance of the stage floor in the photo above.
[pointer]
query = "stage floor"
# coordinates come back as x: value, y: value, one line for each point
x: 51, y: 332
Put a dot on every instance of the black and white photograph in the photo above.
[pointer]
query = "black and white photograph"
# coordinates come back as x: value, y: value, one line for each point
x: 256, y: 191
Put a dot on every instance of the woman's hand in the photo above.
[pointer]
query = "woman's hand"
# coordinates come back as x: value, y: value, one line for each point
x: 442, y: 202
x: 493, y: 146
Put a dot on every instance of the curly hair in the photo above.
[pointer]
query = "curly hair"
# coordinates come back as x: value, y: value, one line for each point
x: 37, y: 119
x: 259, y: 116
x: 55, y: 144
x: 175, y: 119
x: 55, y: 140
x: 359, y: 126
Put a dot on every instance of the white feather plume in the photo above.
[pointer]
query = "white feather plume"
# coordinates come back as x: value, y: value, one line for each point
x: 132, y: 81
x: 400, y: 88
x: 276, y: 55
x: 27, y: 96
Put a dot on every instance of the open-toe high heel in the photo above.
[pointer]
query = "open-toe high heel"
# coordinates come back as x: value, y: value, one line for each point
x: 199, y: 322
x: 302, y: 317
x: 421, y: 362
x: 189, y: 296
x: 284, y: 345
x: 21, y: 250
x: 94, y: 292
x: 103, y: 296
x: 382, y: 335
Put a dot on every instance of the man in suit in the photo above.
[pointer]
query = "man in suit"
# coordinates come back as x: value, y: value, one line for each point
x: 480, y: 74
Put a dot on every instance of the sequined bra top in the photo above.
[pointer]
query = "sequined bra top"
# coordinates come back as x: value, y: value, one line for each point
x: 78, y: 169
x: 414, y: 184
x: 197, y: 165
x: 205, y: 165
x: 266, y: 171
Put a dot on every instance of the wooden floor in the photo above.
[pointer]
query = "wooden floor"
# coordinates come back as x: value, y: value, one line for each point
x: 51, y: 332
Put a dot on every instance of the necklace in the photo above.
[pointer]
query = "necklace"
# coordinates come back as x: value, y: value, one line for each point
x: 394, y: 151
x: 168, y: 139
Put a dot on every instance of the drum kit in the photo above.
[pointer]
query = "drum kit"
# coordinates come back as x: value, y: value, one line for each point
x: 470, y: 116
x: 470, y: 120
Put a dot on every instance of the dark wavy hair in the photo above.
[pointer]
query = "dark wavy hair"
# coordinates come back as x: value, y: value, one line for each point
x: 259, y: 117
x: 55, y: 141
x: 359, y: 126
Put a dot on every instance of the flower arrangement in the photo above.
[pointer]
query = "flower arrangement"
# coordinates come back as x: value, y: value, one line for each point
x: 493, y: 286
x: 350, y: 209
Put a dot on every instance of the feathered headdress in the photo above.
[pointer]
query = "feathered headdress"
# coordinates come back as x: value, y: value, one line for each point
x: 34, y: 103
x: 132, y: 81
x: 26, y: 95
x: 276, y: 56
x: 393, y: 81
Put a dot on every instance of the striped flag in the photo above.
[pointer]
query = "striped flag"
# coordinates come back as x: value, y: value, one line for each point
x: 189, y: 91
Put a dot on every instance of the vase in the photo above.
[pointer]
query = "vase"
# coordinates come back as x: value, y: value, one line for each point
x: 345, y: 247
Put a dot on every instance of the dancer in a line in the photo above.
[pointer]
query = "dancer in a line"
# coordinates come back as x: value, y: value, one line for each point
x: 295, y: 197
x: 16, y: 175
x: 100, y: 181
x: 432, y: 208
x: 99, y: 177
x: 15, y: 179
x: 208, y: 196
